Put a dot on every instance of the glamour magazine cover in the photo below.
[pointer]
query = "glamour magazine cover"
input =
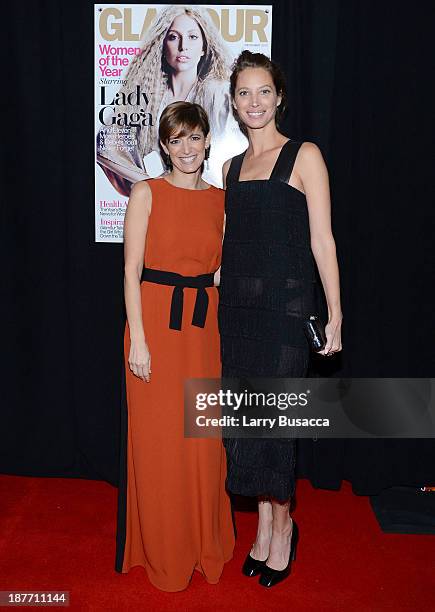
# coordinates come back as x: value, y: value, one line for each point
x: 147, y: 56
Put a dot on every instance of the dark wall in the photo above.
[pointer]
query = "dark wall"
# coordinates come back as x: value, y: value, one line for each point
x: 359, y: 76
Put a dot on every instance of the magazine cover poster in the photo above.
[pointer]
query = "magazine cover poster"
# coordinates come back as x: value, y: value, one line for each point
x: 147, y: 56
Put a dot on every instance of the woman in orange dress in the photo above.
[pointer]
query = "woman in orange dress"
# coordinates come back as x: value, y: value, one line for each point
x: 174, y: 514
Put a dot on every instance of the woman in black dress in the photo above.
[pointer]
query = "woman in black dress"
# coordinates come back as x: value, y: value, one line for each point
x: 277, y: 218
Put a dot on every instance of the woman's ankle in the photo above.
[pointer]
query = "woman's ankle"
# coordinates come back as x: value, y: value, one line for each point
x: 282, y: 527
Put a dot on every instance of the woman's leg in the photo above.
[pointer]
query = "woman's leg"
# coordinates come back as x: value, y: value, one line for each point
x: 260, y: 549
x: 282, y: 525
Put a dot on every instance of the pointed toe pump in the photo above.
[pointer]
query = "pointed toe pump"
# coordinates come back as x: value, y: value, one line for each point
x: 269, y: 576
x: 252, y: 567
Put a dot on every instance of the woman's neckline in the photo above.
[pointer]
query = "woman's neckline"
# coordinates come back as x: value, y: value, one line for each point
x: 273, y: 167
x: 185, y: 188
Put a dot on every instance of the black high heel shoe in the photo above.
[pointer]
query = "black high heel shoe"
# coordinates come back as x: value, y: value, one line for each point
x: 252, y: 567
x: 269, y: 576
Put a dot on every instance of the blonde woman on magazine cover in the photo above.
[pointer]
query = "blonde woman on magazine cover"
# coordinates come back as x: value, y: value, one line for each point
x: 182, y: 58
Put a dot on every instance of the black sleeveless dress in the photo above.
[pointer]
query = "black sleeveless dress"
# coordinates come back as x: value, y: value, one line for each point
x: 267, y: 291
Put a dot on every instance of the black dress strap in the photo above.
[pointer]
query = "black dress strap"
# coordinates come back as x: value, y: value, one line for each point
x: 286, y: 160
x: 234, y: 169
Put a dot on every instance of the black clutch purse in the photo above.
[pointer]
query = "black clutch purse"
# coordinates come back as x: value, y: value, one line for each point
x: 315, y: 333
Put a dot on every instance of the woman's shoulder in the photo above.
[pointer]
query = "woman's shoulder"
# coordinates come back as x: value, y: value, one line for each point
x: 309, y: 157
x: 149, y: 187
x: 154, y: 184
x: 237, y: 158
x: 216, y: 87
x: 215, y: 195
x: 140, y: 188
x: 214, y: 191
x: 309, y: 151
x: 309, y: 163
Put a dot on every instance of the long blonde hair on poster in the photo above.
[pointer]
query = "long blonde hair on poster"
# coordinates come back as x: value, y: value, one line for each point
x: 149, y: 69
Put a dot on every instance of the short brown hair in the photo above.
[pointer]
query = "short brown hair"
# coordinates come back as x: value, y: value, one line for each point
x: 247, y: 59
x: 180, y: 118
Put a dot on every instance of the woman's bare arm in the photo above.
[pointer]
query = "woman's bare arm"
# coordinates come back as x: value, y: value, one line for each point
x: 310, y: 168
x: 135, y: 230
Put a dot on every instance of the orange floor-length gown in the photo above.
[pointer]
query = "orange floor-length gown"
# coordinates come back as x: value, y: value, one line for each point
x: 174, y: 514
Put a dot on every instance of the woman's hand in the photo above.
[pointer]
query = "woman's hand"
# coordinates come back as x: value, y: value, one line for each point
x: 139, y: 360
x: 333, y: 337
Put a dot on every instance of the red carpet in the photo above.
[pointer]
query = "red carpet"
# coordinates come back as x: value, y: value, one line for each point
x: 59, y: 534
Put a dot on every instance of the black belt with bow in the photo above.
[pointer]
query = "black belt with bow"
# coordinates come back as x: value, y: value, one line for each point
x: 179, y: 282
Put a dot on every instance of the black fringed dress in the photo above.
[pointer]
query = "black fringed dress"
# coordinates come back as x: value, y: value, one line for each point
x: 267, y: 291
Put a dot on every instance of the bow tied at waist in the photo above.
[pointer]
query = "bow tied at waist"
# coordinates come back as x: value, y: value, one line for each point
x: 179, y: 282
